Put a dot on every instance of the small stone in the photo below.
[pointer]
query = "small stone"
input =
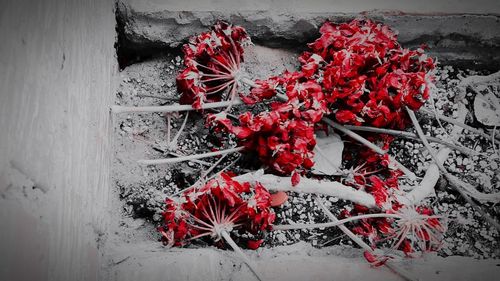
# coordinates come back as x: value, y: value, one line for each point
x: 281, y: 237
x: 493, y: 165
x: 333, y: 199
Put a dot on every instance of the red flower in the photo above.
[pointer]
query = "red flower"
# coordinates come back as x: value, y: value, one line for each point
x: 368, y: 76
x: 375, y: 260
x: 222, y: 204
x: 263, y: 89
x: 254, y: 244
x: 378, y: 190
x: 295, y: 178
x: 283, y: 137
x: 346, y: 116
x: 212, y: 62
x: 310, y: 63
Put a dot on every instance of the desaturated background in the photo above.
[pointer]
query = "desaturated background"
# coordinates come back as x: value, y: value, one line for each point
x: 57, y: 69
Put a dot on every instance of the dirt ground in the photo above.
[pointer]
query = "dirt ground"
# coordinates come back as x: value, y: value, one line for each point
x: 144, y: 188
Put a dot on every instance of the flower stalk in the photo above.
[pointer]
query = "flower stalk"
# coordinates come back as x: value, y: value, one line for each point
x: 188, y: 157
x: 452, y: 180
x: 242, y: 255
x: 118, y: 109
x: 413, y: 136
x: 403, y: 273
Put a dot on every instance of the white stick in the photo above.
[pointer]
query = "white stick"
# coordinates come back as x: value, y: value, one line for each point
x: 237, y: 249
x: 370, y: 145
x: 411, y: 135
x: 392, y: 266
x: 310, y: 186
x: 335, y: 223
x: 455, y: 122
x: 189, y: 157
x: 453, y: 182
x: 426, y: 186
x: 474, y: 193
x: 171, y: 108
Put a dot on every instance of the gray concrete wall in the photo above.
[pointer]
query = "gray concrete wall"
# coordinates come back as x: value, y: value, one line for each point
x: 336, y: 6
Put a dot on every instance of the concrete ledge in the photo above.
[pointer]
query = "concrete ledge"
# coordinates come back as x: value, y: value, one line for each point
x: 296, y: 262
x: 465, y: 37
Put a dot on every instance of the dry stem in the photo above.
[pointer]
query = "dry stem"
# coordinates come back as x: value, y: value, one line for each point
x: 189, y: 157
x: 455, y: 184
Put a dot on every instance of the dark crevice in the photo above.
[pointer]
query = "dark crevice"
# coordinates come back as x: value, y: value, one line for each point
x: 128, y: 52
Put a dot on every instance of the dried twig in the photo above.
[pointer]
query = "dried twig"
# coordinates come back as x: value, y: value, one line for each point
x: 237, y: 249
x: 455, y: 184
x: 457, y: 123
x: 171, y: 108
x: 413, y: 136
x: 310, y: 186
x: 370, y: 145
x: 189, y: 157
x: 392, y: 266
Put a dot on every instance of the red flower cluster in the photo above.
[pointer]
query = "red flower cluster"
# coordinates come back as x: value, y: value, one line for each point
x: 357, y: 73
x: 412, y: 230
x: 367, y: 77
x: 222, y: 204
x: 212, y: 62
x: 284, y: 136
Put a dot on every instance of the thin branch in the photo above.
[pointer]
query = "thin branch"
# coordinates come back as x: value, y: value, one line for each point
x: 456, y: 123
x: 176, y: 137
x: 392, y: 266
x: 332, y: 224
x: 413, y: 136
x: 479, y: 196
x: 171, y: 108
x: 189, y: 157
x: 455, y: 184
x: 237, y: 249
x: 310, y: 186
x: 164, y: 150
x: 370, y: 145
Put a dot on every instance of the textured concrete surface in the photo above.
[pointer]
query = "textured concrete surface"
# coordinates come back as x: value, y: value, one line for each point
x: 454, y: 37
x: 332, y: 6
x: 296, y: 262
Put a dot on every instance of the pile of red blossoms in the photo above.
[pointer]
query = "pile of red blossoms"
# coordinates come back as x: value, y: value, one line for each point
x: 282, y: 137
x: 222, y: 204
x: 212, y: 61
x: 356, y: 73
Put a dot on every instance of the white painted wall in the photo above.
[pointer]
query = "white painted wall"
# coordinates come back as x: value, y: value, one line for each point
x: 56, y: 67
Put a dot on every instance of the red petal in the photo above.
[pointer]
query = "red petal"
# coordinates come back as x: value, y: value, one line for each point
x: 278, y: 198
x: 254, y: 244
x: 295, y: 178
